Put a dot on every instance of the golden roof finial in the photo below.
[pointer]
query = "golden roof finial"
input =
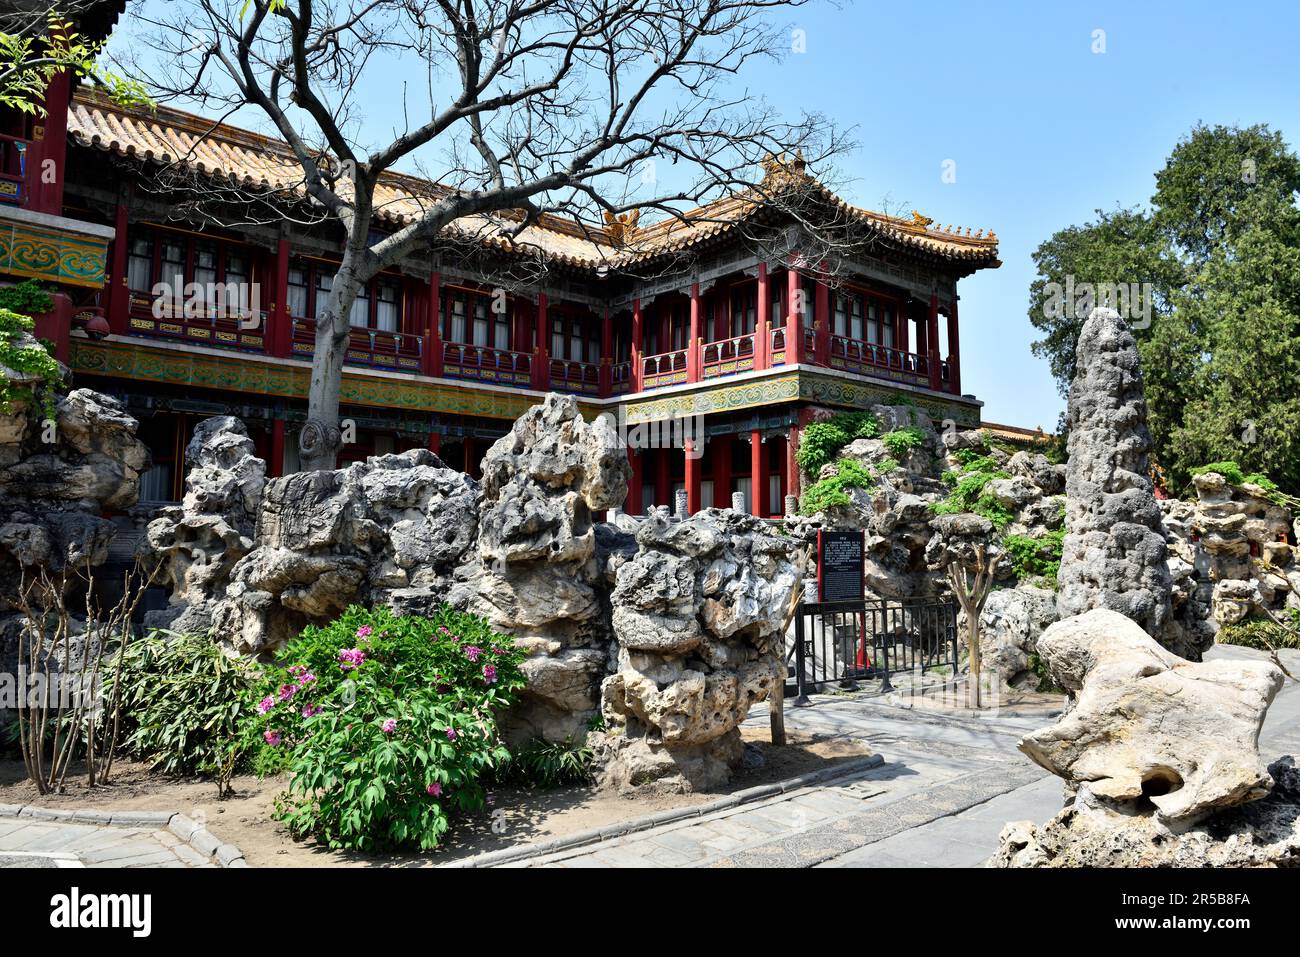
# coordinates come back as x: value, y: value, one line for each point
x: 922, y: 221
x: 620, y: 229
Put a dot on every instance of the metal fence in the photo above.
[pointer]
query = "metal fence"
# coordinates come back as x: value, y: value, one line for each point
x: 843, y: 642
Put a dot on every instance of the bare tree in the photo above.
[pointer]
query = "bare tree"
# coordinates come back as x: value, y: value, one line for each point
x: 525, y: 108
x: 971, y: 582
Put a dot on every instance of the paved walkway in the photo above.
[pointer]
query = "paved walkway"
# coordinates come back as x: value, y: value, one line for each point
x: 26, y: 842
x: 948, y: 785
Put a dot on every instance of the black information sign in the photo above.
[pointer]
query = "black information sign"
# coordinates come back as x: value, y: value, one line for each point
x: 839, y: 565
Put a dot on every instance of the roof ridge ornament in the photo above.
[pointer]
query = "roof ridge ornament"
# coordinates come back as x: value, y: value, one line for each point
x: 922, y: 222
x: 621, y: 229
x: 780, y: 171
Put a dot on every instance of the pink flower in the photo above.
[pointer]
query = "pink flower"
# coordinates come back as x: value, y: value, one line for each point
x: 472, y: 652
x: 310, y: 711
x: 287, y: 692
x: 365, y: 631
x: 351, y: 658
x: 390, y: 726
x: 305, y: 679
x: 490, y: 674
x: 265, y: 705
x: 272, y: 737
x: 434, y: 790
x: 451, y: 734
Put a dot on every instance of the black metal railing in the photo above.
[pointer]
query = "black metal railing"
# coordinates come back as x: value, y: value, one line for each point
x: 839, y: 643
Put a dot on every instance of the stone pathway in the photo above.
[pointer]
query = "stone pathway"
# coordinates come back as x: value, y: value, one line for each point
x: 27, y: 842
x: 949, y: 783
x: 936, y: 765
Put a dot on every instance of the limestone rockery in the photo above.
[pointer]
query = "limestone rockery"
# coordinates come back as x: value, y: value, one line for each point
x: 668, y: 631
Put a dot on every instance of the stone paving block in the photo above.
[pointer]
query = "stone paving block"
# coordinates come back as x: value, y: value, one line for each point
x: 679, y: 843
x: 190, y: 856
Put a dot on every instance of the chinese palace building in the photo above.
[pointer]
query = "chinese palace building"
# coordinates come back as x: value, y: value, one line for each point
x: 434, y: 361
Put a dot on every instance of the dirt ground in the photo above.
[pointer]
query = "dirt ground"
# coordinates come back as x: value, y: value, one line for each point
x: 514, y: 816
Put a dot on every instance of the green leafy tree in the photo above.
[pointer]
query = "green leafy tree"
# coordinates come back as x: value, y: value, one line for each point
x: 1220, y: 246
x: 36, y: 45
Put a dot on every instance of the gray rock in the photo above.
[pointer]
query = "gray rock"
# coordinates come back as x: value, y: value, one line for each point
x: 1114, y: 555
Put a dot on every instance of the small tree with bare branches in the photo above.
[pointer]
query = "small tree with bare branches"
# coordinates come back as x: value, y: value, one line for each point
x: 516, y: 108
x: 971, y: 582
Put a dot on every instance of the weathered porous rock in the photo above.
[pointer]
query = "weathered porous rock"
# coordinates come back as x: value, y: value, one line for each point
x: 1149, y: 730
x: 1011, y: 624
x: 540, y: 569
x: 392, y: 524
x: 698, y: 615
x: 58, y: 477
x: 1263, y: 833
x: 1114, y: 553
x: 198, y: 542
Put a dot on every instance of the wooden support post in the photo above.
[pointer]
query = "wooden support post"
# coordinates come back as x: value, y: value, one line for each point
x: 757, y: 474
x: 954, y: 350
x: 606, y: 372
x: 635, y: 373
x: 694, y: 342
x: 794, y: 320
x: 822, y: 318
x: 542, y: 370
x: 119, y: 300
x: 932, y: 345
x: 633, y: 503
x: 433, y: 351
x: 763, y: 326
x: 722, y: 472
x: 276, y: 465
x: 694, y: 449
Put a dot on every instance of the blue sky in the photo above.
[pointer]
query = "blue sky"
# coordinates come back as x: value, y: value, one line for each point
x: 1043, y: 130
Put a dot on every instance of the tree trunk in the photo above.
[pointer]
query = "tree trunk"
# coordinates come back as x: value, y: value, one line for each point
x: 320, y: 439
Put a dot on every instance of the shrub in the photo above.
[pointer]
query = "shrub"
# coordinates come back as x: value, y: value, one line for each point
x: 181, y: 698
x: 820, y: 441
x: 1035, y: 556
x: 549, y: 764
x: 388, y: 723
x: 831, y: 492
x: 901, y: 441
x: 1263, y: 633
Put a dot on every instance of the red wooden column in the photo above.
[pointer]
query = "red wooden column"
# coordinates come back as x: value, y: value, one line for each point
x: 433, y: 352
x: 794, y: 319
x: 469, y: 455
x: 278, y: 337
x: 762, y: 326
x: 542, y: 364
x: 45, y: 189
x: 692, y: 476
x: 435, y: 442
x: 822, y: 317
x: 722, y: 472
x: 276, y: 465
x: 663, y: 479
x: 637, y: 367
x: 606, y: 372
x: 757, y: 474
x: 694, y: 344
x: 633, y: 503
x: 119, y: 296
x: 793, y: 480
x: 932, y: 344
x: 954, y: 351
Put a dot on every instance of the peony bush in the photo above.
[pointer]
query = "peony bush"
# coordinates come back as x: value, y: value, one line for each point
x: 386, y: 724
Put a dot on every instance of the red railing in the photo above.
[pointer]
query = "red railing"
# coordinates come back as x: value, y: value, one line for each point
x: 666, y: 368
x: 13, y: 168
x: 568, y: 375
x: 620, y: 378
x: 222, y: 328
x: 375, y: 348
x: 868, y: 358
x: 463, y: 361
x: 727, y: 356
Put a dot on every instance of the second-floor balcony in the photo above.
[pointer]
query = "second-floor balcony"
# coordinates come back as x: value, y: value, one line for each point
x: 373, y: 348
